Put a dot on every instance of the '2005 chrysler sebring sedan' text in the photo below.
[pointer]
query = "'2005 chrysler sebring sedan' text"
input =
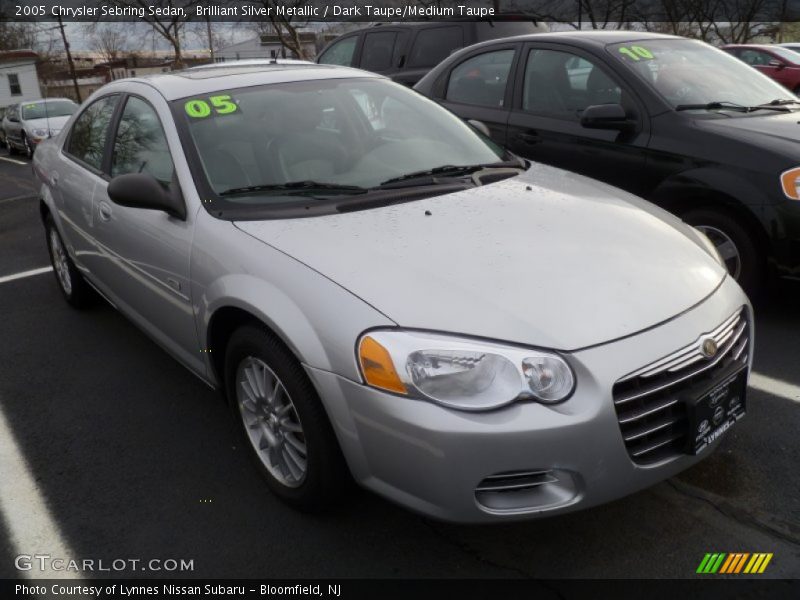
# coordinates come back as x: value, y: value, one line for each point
x: 382, y: 292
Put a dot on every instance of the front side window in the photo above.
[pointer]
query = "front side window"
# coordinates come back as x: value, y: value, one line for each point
x: 87, y: 139
x: 140, y: 145
x: 692, y: 73
x: 377, y: 52
x: 481, y: 80
x: 755, y: 57
x: 13, y: 84
x: 432, y: 46
x: 345, y: 133
x: 562, y: 84
x: 341, y: 53
x: 50, y: 108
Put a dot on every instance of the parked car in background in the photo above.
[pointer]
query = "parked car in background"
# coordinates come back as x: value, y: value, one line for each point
x: 27, y: 124
x: 794, y: 46
x: 405, y: 52
x: 380, y: 291
x: 673, y: 120
x: 776, y: 62
x: 2, y: 130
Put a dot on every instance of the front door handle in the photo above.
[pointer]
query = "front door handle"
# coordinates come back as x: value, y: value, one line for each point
x: 529, y: 137
x: 105, y: 211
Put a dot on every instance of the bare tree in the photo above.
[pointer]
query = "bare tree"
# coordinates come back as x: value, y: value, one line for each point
x: 285, y: 25
x: 109, y: 40
x: 167, y: 22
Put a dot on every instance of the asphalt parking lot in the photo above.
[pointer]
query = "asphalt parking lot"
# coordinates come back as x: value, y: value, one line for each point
x: 113, y: 450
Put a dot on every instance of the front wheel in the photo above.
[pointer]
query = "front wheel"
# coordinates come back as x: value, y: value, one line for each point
x: 73, y: 286
x: 735, y: 244
x: 282, y: 421
x: 28, y: 146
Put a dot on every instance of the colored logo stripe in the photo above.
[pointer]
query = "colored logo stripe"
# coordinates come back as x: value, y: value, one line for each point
x: 721, y: 562
x: 711, y: 563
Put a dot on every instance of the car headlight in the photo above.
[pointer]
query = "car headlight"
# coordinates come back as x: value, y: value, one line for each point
x: 461, y: 373
x: 790, y: 182
x: 708, y: 245
x: 40, y: 133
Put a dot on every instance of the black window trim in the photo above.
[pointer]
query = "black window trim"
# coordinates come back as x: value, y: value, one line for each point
x: 511, y: 82
x: 106, y: 147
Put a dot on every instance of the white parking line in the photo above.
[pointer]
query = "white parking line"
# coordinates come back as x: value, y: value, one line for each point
x: 11, y: 160
x: 776, y: 387
x: 23, y: 509
x: 25, y: 274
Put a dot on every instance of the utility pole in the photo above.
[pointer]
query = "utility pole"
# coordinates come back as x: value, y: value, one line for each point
x: 210, y: 38
x: 69, y: 61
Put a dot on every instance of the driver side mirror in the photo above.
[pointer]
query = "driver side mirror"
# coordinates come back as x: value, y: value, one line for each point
x: 480, y: 126
x: 606, y: 116
x: 141, y: 190
x: 776, y: 63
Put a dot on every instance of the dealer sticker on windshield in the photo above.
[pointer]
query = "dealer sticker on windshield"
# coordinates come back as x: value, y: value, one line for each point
x: 202, y: 108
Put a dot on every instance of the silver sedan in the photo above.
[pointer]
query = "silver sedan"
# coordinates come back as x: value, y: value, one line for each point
x: 384, y: 294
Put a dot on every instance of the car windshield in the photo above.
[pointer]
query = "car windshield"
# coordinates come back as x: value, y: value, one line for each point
x: 49, y: 109
x: 689, y: 72
x: 323, y: 137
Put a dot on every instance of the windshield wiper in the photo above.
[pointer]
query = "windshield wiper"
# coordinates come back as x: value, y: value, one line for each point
x: 725, y: 105
x: 781, y: 102
x: 296, y: 187
x: 452, y: 171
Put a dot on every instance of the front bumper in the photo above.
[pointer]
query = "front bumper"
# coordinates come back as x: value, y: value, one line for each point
x: 431, y: 459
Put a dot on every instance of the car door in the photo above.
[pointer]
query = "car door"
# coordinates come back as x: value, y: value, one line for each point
x: 144, y: 255
x: 478, y: 88
x: 555, y: 84
x: 429, y: 47
x: 79, y: 175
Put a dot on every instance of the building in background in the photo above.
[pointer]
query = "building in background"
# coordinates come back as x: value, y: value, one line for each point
x: 19, y: 81
x: 267, y: 45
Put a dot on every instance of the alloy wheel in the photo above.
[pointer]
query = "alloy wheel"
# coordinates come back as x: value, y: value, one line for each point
x: 60, y: 262
x: 271, y: 422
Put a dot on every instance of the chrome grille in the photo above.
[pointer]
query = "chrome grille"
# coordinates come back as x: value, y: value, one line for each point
x: 652, y: 417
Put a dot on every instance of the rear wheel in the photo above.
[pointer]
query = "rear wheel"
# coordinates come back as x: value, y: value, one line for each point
x: 76, y: 291
x: 282, y: 420
x: 735, y: 243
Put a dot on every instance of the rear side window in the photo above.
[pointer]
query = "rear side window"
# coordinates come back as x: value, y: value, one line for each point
x: 431, y: 46
x: 140, y: 145
x: 87, y: 139
x: 341, y: 53
x: 481, y: 80
x: 377, y: 52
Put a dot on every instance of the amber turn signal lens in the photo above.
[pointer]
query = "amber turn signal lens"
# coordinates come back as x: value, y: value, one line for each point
x: 790, y: 182
x: 378, y: 368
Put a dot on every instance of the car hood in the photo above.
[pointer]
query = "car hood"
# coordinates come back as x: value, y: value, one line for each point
x: 549, y: 259
x: 758, y: 129
x: 55, y: 123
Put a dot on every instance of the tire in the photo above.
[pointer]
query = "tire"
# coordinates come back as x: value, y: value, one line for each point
x: 11, y: 150
x: 736, y: 244
x: 280, y: 433
x: 73, y: 286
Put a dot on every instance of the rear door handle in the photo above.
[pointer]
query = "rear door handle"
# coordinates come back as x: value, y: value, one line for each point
x: 529, y: 138
x: 105, y: 211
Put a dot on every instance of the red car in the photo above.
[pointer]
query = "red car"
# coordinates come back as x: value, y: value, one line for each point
x: 776, y: 62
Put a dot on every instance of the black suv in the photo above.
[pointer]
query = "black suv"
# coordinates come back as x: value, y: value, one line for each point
x: 405, y: 52
x: 673, y: 120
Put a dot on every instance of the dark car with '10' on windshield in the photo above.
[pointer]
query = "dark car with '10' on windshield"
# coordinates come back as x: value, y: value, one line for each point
x: 673, y: 120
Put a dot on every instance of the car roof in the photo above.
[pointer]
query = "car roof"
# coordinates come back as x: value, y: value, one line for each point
x: 206, y: 79
x: 597, y: 37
